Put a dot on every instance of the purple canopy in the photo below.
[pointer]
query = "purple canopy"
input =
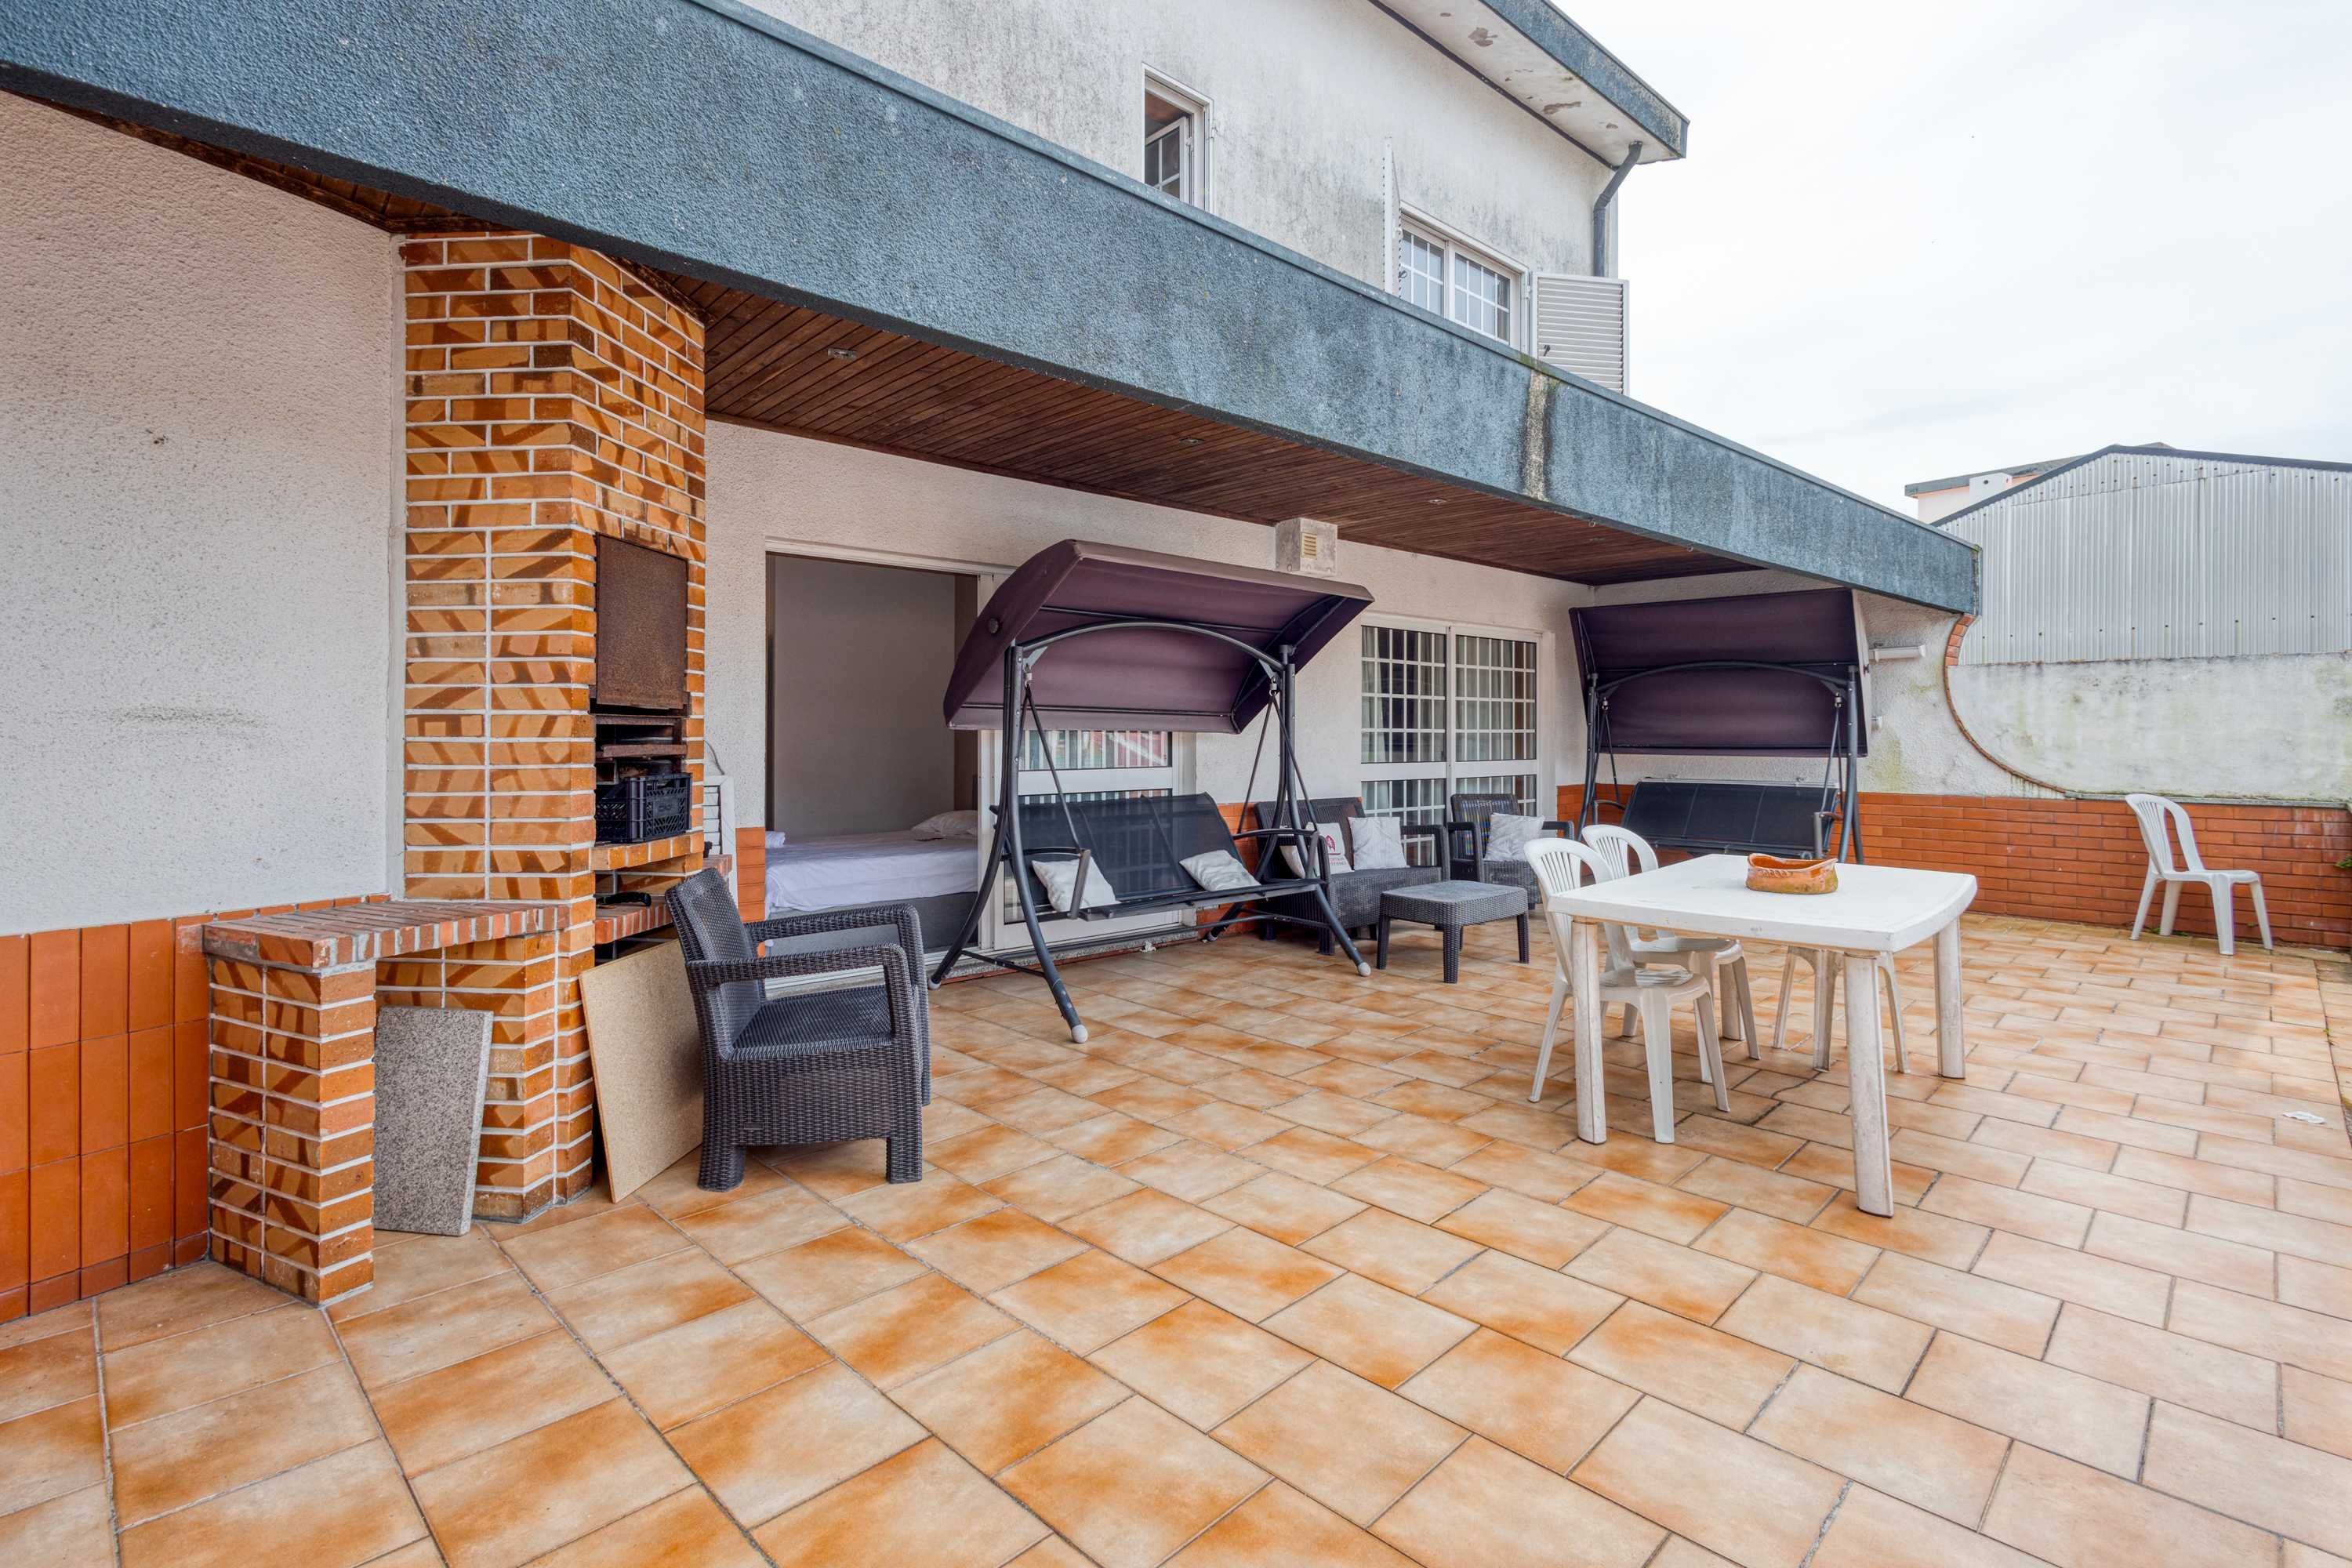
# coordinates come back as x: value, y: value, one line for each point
x: 1142, y: 678
x: 1780, y: 711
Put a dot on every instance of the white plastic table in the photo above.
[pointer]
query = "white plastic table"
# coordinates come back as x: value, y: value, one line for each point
x: 1875, y: 909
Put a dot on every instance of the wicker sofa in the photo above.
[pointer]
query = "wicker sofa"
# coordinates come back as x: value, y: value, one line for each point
x: 1355, y: 895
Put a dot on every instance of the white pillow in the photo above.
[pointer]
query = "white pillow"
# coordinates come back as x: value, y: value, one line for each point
x: 1061, y: 878
x: 1335, y: 851
x: 1379, y: 843
x: 1217, y: 871
x: 1507, y: 837
x: 775, y: 838
x: 948, y: 825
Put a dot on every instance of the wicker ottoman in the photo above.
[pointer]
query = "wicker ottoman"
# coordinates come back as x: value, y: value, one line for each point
x: 1450, y: 907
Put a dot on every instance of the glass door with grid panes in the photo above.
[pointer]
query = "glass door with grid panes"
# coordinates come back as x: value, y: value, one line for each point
x: 1450, y: 710
x: 1091, y: 764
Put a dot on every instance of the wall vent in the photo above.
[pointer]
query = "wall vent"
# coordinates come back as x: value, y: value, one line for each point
x: 1302, y: 544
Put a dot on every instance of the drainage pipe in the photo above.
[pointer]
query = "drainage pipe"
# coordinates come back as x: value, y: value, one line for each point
x: 1600, y: 210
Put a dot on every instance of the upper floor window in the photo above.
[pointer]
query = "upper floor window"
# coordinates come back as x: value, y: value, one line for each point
x: 1174, y: 148
x: 1460, y: 282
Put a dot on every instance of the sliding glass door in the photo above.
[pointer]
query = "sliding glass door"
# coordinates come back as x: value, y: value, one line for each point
x: 1450, y: 710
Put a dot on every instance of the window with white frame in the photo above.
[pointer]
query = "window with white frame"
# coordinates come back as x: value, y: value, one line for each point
x: 1457, y: 280
x: 1175, y: 147
x: 1448, y: 711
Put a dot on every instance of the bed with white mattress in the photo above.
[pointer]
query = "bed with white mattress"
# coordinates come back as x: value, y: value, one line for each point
x: 938, y: 875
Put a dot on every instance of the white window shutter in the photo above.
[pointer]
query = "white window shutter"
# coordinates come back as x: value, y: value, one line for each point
x: 1580, y: 326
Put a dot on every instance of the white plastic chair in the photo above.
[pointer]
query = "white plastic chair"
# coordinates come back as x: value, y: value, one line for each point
x: 1826, y: 969
x: 1560, y: 867
x: 2152, y: 811
x: 1717, y: 960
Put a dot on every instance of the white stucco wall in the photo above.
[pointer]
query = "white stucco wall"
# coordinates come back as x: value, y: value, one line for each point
x: 776, y: 491
x: 197, y: 377
x: 1302, y: 93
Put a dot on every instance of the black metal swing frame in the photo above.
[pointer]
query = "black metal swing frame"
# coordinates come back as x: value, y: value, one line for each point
x: 1010, y: 854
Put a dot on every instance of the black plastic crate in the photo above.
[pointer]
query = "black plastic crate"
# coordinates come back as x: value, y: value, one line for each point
x: 648, y: 806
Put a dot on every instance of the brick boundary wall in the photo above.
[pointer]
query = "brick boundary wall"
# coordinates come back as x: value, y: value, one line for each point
x: 2081, y: 860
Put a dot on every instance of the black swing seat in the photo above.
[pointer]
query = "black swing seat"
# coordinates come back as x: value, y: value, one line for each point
x: 1709, y: 817
x: 1140, y: 843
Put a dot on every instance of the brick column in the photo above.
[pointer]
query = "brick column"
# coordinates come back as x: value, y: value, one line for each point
x: 553, y: 396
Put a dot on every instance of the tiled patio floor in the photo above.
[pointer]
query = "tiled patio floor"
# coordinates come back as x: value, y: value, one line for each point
x: 1283, y: 1268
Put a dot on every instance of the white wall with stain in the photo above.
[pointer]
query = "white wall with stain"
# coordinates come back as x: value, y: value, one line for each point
x: 1302, y: 94
x: 197, y: 385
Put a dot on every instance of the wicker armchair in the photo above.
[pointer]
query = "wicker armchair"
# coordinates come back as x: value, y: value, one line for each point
x: 1467, y: 819
x: 818, y: 1068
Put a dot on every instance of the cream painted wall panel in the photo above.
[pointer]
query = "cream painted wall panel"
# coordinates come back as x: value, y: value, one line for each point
x: 197, y: 377
x: 1302, y: 94
x: 768, y: 489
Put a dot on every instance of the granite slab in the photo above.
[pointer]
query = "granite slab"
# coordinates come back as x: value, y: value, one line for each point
x: 430, y: 1069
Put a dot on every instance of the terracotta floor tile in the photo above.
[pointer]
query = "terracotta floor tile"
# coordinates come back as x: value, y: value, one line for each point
x: 1813, y: 1257
x: 833, y: 1171
x: 161, y: 1376
x: 2064, y: 1411
x: 1721, y: 1377
x: 421, y: 1265
x: 1982, y: 1308
x: 2292, y: 1335
x: 924, y: 1505
x: 1531, y: 1402
x: 1873, y: 1531
x: 1281, y: 1526
x: 1637, y: 1155
x: 533, y: 1493
x: 1950, y: 1242
x: 679, y: 1191
x: 1191, y: 1170
x: 1646, y: 1207
x: 996, y: 1250
x: 1760, y: 1507
x: 1422, y: 1138
x: 1370, y: 1329
x: 1009, y: 1399
x: 49, y: 1453
x: 1151, y: 1100
x: 2081, y: 1518
x: 1227, y: 1126
x: 1055, y: 1189
x: 2233, y: 1266
x: 907, y: 1330
x: 1833, y: 1165
x: 1543, y: 1234
x: 1515, y: 1121
x: 1680, y: 1553
x: 1132, y: 1485
x: 76, y: 1530
x: 713, y: 1360
x: 1313, y: 1155
x: 2004, y: 1208
x: 75, y: 1317
x: 2316, y: 1285
x: 1547, y: 1310
x: 443, y: 1328
x: 2224, y: 1383
x: 2317, y: 1410
x: 784, y: 1445
x: 2100, y: 1190
x: 1485, y: 1506
x: 769, y: 1222
x: 591, y: 1246
x: 184, y: 1457
x: 904, y: 1210
x: 2120, y: 1289
x: 1146, y: 1227
x: 613, y: 1309
x: 1285, y: 1207
x: 1906, y: 1450
x: 2267, y: 1481
x: 49, y: 1371
x: 1403, y: 1254
x: 1861, y: 1343
x: 1547, y: 1178
x: 1245, y: 1273
x: 813, y: 1279
x: 992, y: 1152
x: 2311, y: 1222
x: 347, y: 1509
x: 1689, y: 1284
x: 1752, y: 1187
x: 1200, y: 1362
x: 175, y: 1302
x: 1090, y: 1300
x: 1353, y: 1446
x: 483, y: 1401
x: 2173, y: 1169
x: 686, y: 1527
x: 1410, y: 1188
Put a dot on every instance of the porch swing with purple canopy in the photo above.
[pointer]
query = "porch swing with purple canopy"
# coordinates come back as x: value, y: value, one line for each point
x: 1096, y: 636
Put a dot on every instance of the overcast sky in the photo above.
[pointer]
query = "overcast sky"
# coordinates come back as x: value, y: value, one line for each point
x: 1914, y: 239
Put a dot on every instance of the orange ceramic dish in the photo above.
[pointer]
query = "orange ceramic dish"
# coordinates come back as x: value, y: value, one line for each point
x: 1773, y: 874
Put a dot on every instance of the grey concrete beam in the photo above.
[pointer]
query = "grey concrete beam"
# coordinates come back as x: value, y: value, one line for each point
x: 708, y: 138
